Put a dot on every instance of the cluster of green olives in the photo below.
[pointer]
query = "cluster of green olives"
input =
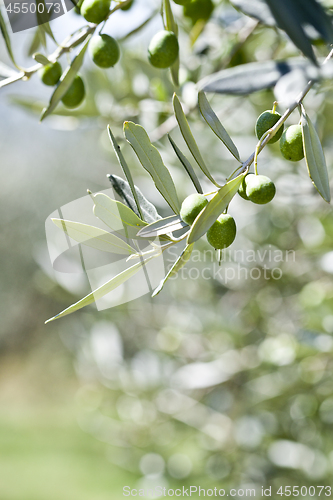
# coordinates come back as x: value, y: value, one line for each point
x: 104, y: 51
x: 291, y: 141
x: 221, y: 234
x: 50, y: 74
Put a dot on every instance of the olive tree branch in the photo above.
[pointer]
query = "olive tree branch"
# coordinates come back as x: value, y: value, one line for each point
x: 66, y: 46
x: 271, y: 132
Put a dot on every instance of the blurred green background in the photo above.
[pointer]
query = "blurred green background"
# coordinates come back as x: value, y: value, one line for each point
x: 216, y: 382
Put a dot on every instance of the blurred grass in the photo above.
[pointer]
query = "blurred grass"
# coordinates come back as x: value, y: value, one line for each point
x: 43, y: 452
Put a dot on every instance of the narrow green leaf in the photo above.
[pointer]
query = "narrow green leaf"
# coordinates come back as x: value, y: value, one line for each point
x: 215, y: 124
x: 94, y: 237
x: 35, y: 42
x: 180, y: 262
x: 188, y: 137
x: 100, y: 292
x: 122, y: 188
x: 126, y: 170
x: 162, y: 226
x: 315, y: 158
x: 151, y: 161
x: 187, y: 165
x: 40, y: 58
x: 116, y: 216
x: 5, y: 34
x: 214, y: 208
x: 43, y: 18
x: 65, y: 81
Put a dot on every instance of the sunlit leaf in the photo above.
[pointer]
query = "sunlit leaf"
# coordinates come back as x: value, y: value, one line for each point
x: 126, y: 171
x: 152, y: 161
x: 180, y: 262
x: 188, y: 137
x: 186, y: 164
x: 252, y: 77
x: 94, y: 237
x: 122, y: 188
x: 65, y: 81
x: 116, y: 215
x: 315, y: 158
x: 214, y: 208
x: 162, y: 226
x: 215, y: 124
x: 103, y: 290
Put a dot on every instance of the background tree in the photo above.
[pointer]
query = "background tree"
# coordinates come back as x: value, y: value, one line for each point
x: 226, y: 380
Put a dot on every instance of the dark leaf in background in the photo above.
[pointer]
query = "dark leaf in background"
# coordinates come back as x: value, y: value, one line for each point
x: 293, y: 15
x: 122, y: 188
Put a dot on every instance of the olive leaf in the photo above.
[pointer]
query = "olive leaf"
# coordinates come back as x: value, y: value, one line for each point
x: 94, y: 237
x: 5, y: 34
x: 122, y: 188
x: 40, y: 58
x: 293, y: 16
x: 43, y: 18
x: 187, y: 165
x: 252, y: 77
x: 314, y: 157
x: 116, y: 215
x: 214, y: 208
x: 215, y: 124
x: 151, y: 161
x: 103, y: 290
x: 180, y: 262
x: 126, y: 171
x: 162, y: 226
x: 65, y: 81
x: 188, y: 137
